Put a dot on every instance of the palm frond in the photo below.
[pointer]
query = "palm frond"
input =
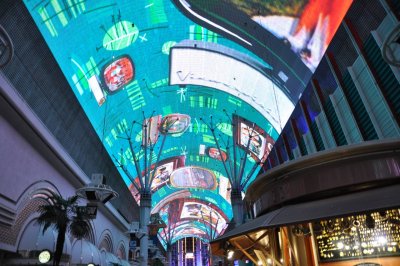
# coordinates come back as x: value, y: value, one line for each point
x: 46, y: 226
x: 80, y: 227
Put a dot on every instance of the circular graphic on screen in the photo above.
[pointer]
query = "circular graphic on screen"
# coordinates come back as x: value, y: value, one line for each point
x: 193, y: 177
x: 174, y: 124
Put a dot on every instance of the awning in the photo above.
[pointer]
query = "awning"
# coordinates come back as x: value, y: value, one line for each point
x: 84, y: 252
x: 365, y: 201
x: 111, y: 259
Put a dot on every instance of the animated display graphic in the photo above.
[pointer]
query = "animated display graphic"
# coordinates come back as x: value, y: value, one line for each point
x: 186, y: 217
x: 162, y: 174
x: 151, y: 126
x: 165, y: 169
x: 251, y: 135
x: 200, y: 211
x: 307, y: 25
x: 120, y: 36
x: 118, y: 74
x: 219, y: 67
x: 174, y: 124
x: 193, y: 177
x: 214, y: 153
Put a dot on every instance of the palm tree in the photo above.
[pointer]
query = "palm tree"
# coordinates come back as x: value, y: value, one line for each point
x: 62, y: 214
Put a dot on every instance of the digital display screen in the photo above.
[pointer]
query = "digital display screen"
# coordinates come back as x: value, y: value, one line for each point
x: 185, y: 217
x: 146, y: 75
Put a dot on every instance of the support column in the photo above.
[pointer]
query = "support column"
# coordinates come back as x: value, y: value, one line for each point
x: 237, y: 206
x: 169, y: 254
x: 145, y: 208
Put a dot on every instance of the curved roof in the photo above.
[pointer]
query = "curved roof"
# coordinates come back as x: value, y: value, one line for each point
x: 181, y: 68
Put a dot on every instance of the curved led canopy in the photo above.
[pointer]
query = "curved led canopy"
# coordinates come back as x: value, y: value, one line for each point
x: 135, y: 63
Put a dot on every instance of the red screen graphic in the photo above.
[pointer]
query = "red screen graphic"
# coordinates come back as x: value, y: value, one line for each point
x: 118, y: 74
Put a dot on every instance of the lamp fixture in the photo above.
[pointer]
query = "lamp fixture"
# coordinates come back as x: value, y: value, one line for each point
x: 97, y: 190
x: 44, y: 256
x: 230, y: 253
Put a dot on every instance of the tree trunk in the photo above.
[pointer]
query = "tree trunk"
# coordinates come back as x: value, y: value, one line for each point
x: 59, y: 245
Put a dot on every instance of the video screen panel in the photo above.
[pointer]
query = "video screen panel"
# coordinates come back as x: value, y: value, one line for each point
x: 193, y: 217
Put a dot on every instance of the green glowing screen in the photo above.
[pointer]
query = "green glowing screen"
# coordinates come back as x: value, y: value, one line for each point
x: 135, y: 62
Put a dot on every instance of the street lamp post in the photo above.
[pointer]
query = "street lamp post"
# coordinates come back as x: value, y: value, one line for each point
x: 235, y: 164
x: 211, y: 232
x: 145, y: 175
